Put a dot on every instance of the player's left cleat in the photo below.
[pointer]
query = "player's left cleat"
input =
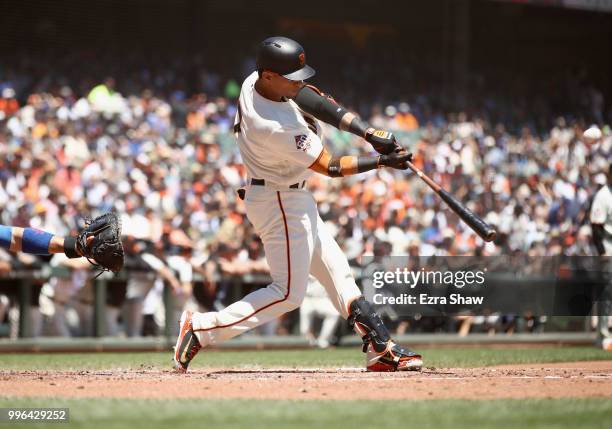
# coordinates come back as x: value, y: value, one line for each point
x: 394, y: 358
x: 187, y: 344
x: 382, y: 353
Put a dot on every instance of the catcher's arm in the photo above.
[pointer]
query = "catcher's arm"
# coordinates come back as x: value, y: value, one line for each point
x: 326, y: 109
x: 36, y: 242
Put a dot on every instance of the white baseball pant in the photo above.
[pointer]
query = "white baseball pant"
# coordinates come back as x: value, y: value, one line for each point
x: 296, y: 243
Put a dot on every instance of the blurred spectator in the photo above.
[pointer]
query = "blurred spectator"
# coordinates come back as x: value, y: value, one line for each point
x: 147, y: 272
x: 8, y: 103
x: 64, y: 292
x: 317, y: 305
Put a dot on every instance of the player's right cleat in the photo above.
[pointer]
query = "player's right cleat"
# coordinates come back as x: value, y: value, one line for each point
x: 394, y: 358
x: 187, y: 344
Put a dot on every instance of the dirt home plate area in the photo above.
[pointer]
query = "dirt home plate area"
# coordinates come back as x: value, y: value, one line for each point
x: 558, y: 380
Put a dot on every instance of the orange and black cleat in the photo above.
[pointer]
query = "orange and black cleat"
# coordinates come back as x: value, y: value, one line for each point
x: 187, y: 344
x: 393, y: 358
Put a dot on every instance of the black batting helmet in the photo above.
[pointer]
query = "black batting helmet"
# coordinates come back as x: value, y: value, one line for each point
x: 285, y: 57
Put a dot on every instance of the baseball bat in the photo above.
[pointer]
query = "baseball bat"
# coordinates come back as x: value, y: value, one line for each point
x: 485, y: 231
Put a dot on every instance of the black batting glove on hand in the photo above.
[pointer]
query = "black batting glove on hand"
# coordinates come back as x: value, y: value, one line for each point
x: 382, y: 141
x: 398, y: 160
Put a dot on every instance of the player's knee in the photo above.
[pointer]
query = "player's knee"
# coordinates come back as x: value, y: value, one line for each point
x: 295, y: 299
x: 291, y: 292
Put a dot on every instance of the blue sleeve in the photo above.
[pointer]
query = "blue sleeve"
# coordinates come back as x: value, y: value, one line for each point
x: 35, y: 241
x: 6, y: 233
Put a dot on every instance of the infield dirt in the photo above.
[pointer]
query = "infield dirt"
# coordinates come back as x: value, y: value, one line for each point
x: 559, y: 380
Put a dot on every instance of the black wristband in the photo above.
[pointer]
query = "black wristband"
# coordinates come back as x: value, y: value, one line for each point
x: 334, y: 169
x: 367, y: 163
x: 358, y: 127
x: 70, y: 247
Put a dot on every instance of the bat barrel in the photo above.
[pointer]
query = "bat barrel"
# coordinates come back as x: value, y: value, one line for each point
x: 484, y: 230
x: 490, y: 235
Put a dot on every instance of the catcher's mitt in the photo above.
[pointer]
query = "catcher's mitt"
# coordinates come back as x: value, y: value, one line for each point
x: 105, y: 251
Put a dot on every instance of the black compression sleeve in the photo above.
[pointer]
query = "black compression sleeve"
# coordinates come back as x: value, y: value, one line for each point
x: 327, y: 110
x: 319, y: 106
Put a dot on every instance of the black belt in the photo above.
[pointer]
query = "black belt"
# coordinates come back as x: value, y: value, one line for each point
x: 262, y: 182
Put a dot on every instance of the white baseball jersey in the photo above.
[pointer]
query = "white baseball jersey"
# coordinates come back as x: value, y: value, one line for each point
x: 277, y: 141
x: 601, y: 213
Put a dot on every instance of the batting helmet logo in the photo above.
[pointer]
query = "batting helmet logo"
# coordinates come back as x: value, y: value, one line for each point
x: 302, y: 59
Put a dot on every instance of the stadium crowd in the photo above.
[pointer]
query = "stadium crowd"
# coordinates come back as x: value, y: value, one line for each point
x: 164, y: 157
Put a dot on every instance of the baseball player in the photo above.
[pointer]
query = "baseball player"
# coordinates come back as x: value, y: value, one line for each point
x: 601, y: 225
x: 280, y: 144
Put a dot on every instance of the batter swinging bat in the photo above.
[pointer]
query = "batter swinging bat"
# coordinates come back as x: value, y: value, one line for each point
x: 485, y: 231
